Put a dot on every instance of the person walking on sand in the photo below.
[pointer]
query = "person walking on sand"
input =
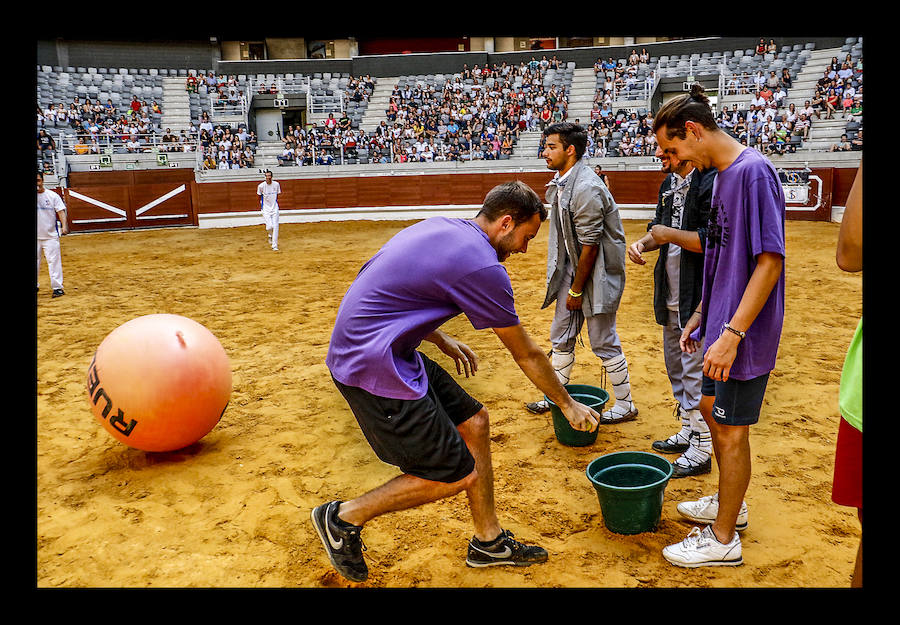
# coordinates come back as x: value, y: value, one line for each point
x: 268, y: 193
x: 411, y: 411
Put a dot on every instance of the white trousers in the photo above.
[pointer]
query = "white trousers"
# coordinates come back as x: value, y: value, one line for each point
x: 270, y: 216
x: 51, y: 251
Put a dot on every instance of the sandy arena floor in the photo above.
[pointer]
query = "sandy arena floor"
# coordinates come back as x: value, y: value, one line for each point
x: 233, y: 509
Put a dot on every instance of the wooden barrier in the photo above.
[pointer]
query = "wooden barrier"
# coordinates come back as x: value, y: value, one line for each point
x: 154, y: 198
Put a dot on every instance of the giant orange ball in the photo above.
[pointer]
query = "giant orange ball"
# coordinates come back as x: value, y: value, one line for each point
x: 159, y: 382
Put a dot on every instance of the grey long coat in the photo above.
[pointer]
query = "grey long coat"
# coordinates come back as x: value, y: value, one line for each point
x: 584, y: 213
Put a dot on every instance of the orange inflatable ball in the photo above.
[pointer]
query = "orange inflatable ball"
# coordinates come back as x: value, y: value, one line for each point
x: 159, y: 382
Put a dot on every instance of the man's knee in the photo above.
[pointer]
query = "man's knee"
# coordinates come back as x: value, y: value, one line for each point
x: 731, y: 438
x: 476, y: 426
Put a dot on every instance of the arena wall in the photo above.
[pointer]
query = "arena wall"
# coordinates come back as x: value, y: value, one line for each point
x: 173, y: 197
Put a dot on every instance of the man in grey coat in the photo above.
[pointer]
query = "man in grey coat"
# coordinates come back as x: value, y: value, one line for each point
x: 585, y: 267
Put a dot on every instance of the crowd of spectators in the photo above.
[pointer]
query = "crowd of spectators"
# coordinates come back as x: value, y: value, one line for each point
x: 614, y: 76
x: 222, y: 147
x: 97, y: 127
x: 764, y: 126
x: 839, y: 88
x: 477, y: 114
x: 222, y: 90
x: 770, y: 127
x: 848, y: 88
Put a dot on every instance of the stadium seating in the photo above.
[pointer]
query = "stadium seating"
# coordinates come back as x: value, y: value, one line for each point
x: 337, y: 93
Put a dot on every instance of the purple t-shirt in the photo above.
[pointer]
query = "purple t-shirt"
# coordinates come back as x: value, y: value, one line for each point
x: 746, y: 218
x: 425, y: 275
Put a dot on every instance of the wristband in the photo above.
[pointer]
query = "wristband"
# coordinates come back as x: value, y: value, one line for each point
x: 574, y: 294
x: 732, y: 330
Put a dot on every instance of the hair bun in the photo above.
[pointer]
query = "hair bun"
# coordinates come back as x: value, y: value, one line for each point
x: 697, y: 93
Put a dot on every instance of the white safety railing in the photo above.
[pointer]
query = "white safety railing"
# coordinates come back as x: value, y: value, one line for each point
x: 134, y: 144
x: 635, y: 89
x: 323, y: 104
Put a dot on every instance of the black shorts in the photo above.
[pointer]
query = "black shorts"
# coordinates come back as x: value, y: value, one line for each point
x: 418, y: 436
x: 738, y: 402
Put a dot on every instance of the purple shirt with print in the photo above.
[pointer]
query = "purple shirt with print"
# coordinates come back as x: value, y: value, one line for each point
x: 746, y: 218
x: 425, y: 275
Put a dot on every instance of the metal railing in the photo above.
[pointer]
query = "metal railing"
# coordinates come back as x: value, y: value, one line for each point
x: 229, y: 112
x: 106, y: 144
x: 637, y: 90
x: 322, y: 104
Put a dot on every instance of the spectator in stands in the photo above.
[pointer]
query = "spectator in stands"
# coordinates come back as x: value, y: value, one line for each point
x: 819, y: 101
x: 135, y: 106
x: 740, y: 129
x: 191, y: 83
x: 771, y: 48
x: 761, y: 47
x: 856, y: 143
x: 45, y: 143
x: 856, y: 110
x: 779, y: 95
x: 779, y: 138
x: 843, y: 145
x: 845, y: 72
x: 168, y: 139
x: 733, y: 85
x: 801, y: 126
x: 831, y: 102
x: 808, y: 110
x: 791, y: 115
x: 81, y: 145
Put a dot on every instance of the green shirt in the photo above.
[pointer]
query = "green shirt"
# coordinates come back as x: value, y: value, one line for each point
x: 850, y: 396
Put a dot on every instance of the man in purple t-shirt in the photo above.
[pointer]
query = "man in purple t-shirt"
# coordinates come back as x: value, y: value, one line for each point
x: 412, y: 412
x: 740, y: 318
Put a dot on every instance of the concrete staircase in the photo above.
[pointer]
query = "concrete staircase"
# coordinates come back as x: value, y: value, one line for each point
x: 581, y: 101
x: 267, y: 153
x: 376, y: 111
x: 581, y: 95
x: 176, y: 105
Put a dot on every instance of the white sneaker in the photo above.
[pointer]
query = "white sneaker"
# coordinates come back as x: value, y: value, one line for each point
x: 702, y: 548
x: 274, y: 248
x: 705, y: 510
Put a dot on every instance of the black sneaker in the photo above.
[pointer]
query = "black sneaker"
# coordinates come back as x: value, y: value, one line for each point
x: 538, y: 407
x: 58, y: 292
x: 671, y: 445
x: 342, y: 542
x: 504, y: 550
x: 689, y: 468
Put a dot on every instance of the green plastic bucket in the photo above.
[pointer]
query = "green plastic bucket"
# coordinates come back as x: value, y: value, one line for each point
x: 591, y: 396
x: 630, y: 486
